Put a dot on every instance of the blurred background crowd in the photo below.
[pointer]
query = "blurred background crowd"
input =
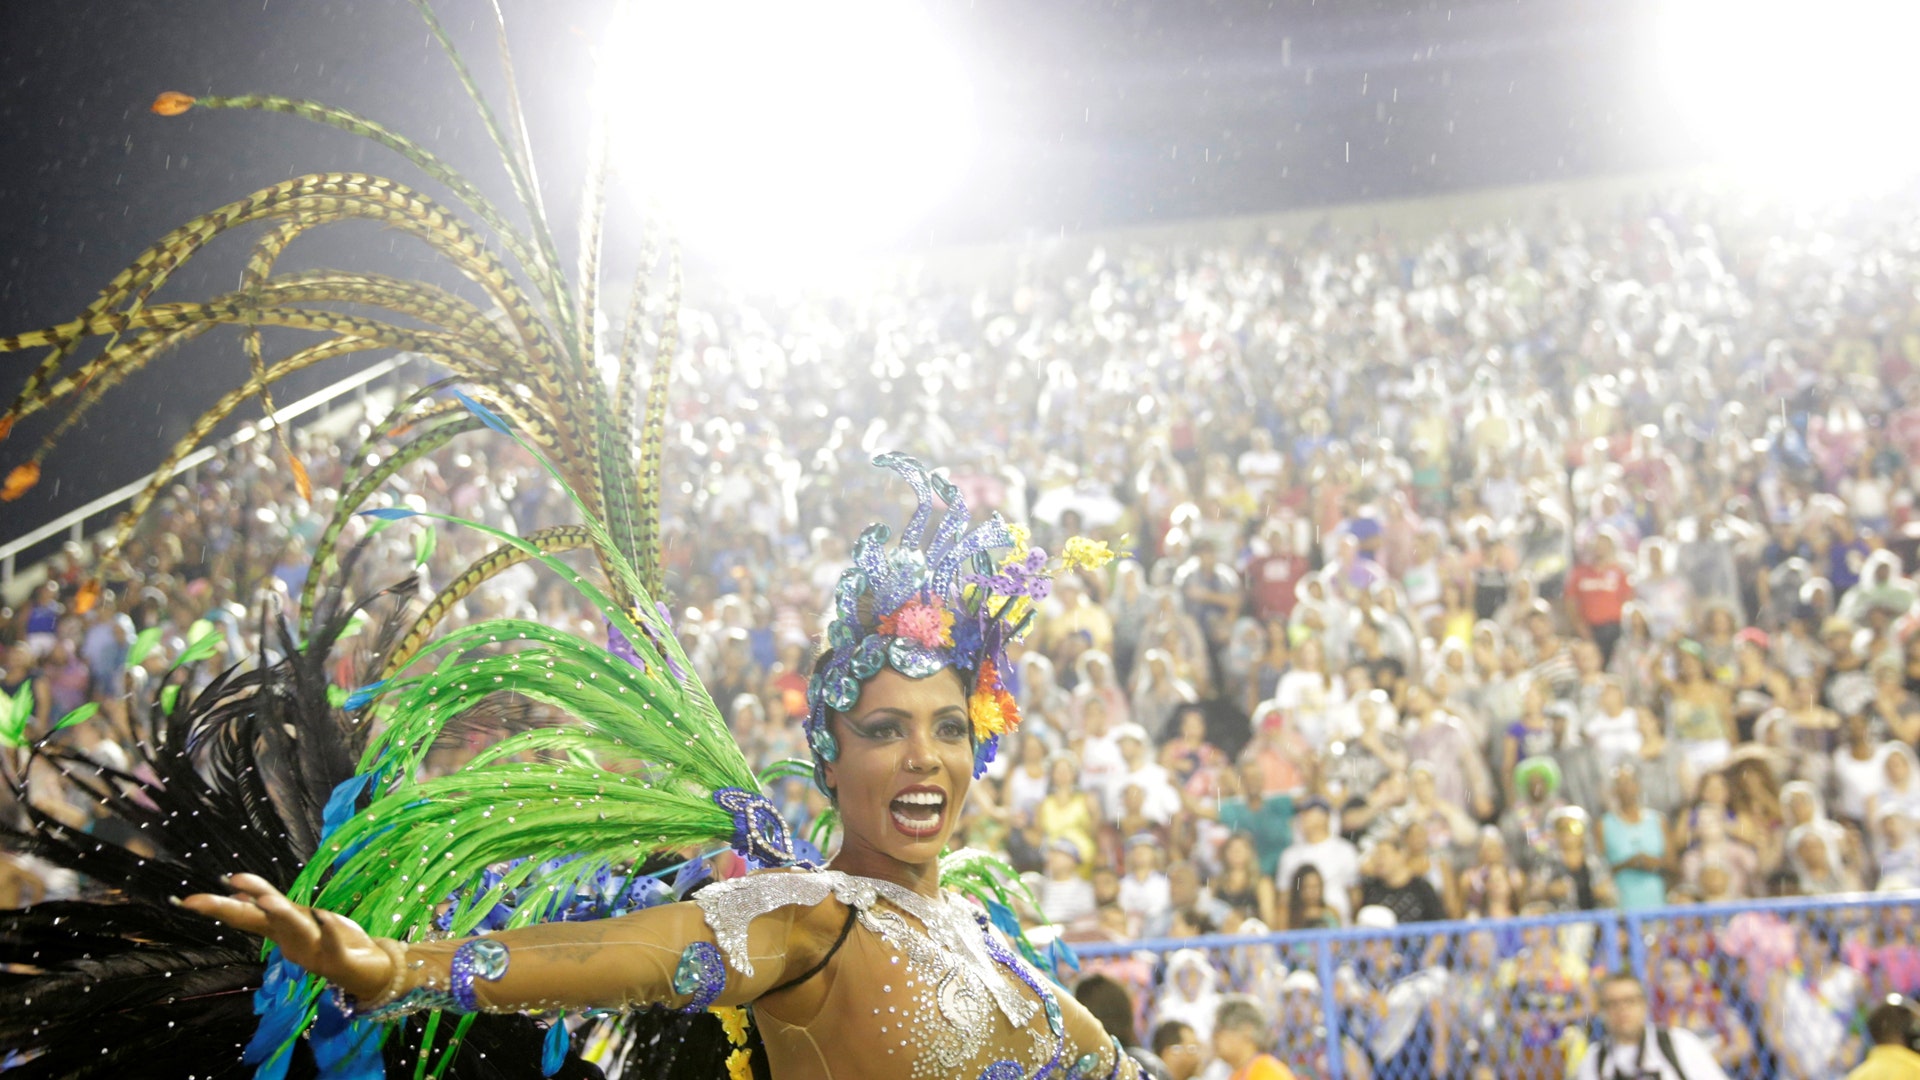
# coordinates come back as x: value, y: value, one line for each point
x: 1482, y: 572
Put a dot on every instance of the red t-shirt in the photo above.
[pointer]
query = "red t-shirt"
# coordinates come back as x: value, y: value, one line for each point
x: 1600, y: 592
x: 1271, y: 579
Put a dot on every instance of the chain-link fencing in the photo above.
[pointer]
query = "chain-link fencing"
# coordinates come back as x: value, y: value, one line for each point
x: 1775, y: 989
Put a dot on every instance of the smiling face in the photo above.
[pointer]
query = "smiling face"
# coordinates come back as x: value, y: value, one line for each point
x: 906, y: 761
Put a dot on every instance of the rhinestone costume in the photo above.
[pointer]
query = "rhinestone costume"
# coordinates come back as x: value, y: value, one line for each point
x: 954, y: 1000
x: 920, y: 987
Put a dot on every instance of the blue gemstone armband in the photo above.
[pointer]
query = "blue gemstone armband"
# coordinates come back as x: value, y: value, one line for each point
x: 702, y: 974
x: 481, y: 958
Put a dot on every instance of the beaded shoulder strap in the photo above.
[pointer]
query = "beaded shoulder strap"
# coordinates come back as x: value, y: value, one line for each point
x: 731, y: 906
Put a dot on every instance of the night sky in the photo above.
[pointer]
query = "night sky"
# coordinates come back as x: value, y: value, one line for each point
x: 1096, y: 113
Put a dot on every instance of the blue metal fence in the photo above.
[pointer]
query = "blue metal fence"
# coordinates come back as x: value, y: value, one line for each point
x: 1775, y: 988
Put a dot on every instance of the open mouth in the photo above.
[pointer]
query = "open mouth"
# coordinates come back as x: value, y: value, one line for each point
x: 919, y: 812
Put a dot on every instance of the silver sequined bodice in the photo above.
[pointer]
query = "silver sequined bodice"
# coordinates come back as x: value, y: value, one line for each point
x: 945, y: 982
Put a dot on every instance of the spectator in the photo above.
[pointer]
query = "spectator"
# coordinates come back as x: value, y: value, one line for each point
x: 1138, y: 769
x: 1188, y: 898
x: 1190, y: 994
x: 1613, y: 727
x: 1284, y: 757
x: 1145, y: 894
x: 1240, y: 884
x: 1899, y: 785
x: 1157, y: 690
x: 1307, y: 907
x: 1635, y: 839
x: 1027, y: 783
x: 1714, y: 849
x: 1570, y: 878
x: 1382, y: 994
x: 1598, y: 592
x: 1896, y: 848
x: 1335, y: 859
x: 1686, y: 999
x: 1633, y: 1048
x: 1242, y: 1035
x: 1391, y: 884
x: 1067, y: 814
x: 1110, y: 1004
x: 1066, y: 895
x: 1304, y: 1037
x: 1894, y: 1030
x: 1811, y: 1008
x: 1191, y: 762
x: 1467, y: 1040
x: 1699, y: 711
x: 1526, y: 827
x: 1246, y: 808
x: 1550, y: 996
x: 1859, y: 768
x: 1309, y: 693
x: 1179, y: 1047
x: 1663, y: 775
x: 1490, y: 888
x: 1438, y: 737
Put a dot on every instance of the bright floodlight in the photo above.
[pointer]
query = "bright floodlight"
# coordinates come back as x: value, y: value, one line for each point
x: 780, y: 133
x: 1811, y: 98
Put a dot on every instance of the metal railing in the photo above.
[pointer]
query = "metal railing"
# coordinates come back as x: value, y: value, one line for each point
x: 74, y: 522
x: 1736, y: 952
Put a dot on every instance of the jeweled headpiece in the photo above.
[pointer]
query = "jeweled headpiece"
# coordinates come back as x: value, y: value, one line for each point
x: 953, y: 605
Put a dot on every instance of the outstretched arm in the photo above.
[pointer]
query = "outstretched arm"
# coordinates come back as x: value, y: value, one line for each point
x: 662, y: 956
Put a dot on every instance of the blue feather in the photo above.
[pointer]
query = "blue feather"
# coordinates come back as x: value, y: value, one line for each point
x: 554, y: 1053
x: 692, y: 873
x: 487, y: 416
x: 343, y: 1048
x: 340, y: 804
x: 1060, y: 953
x: 360, y: 698
x: 1004, y: 919
x: 277, y: 1003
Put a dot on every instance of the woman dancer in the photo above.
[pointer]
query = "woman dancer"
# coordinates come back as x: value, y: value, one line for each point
x: 870, y: 952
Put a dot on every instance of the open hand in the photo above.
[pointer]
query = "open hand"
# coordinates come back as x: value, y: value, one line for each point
x: 327, y: 944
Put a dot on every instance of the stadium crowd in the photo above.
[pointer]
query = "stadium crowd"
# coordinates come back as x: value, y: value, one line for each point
x: 1551, y: 566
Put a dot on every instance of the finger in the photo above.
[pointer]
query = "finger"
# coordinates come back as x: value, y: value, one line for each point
x: 289, y: 924
x: 239, y: 914
x: 252, y: 885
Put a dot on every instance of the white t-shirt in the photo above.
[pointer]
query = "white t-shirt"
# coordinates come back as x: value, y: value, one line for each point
x: 1867, y: 498
x: 1338, y: 862
x: 1023, y: 792
x: 1100, y: 762
x: 1146, y: 899
x: 1261, y: 469
x: 1163, y: 802
x: 1627, y: 1061
x: 1854, y: 782
x: 1614, y: 738
x: 1309, y: 699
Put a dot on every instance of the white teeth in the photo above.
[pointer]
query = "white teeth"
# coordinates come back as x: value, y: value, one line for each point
x: 922, y: 798
x: 916, y: 823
